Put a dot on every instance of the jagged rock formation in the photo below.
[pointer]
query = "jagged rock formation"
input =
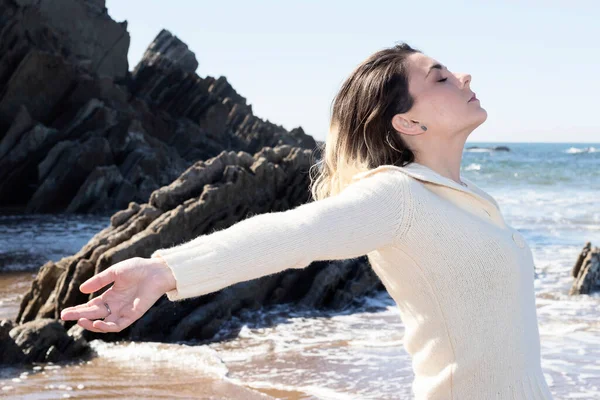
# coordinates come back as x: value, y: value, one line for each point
x: 208, y: 196
x: 586, y: 271
x: 171, y: 154
x: 80, y: 133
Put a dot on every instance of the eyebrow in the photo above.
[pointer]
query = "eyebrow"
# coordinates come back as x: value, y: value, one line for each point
x: 434, y: 66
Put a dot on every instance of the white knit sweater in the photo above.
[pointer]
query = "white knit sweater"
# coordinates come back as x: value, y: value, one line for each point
x: 461, y: 277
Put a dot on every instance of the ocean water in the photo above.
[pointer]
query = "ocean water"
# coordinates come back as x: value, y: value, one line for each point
x: 549, y: 192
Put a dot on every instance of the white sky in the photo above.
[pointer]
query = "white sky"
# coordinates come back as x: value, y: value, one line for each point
x: 535, y: 64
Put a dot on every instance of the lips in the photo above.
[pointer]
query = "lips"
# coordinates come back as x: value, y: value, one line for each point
x: 472, y: 98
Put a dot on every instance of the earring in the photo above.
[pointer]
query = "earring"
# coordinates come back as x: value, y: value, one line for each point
x: 422, y: 126
x: 387, y: 139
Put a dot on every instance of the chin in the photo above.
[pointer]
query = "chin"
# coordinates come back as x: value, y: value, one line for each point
x: 484, y: 114
x: 479, y: 116
x: 477, y: 120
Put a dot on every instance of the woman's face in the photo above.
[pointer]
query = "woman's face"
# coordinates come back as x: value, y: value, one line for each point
x: 441, y: 100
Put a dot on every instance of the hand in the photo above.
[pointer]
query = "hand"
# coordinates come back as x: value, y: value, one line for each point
x: 138, y: 284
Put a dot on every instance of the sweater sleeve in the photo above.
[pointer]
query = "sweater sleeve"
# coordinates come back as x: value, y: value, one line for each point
x: 369, y: 213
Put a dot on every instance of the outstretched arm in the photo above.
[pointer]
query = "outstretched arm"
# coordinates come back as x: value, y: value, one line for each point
x: 370, y: 213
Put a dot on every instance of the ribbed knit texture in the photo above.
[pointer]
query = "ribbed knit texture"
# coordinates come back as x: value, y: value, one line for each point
x: 461, y: 277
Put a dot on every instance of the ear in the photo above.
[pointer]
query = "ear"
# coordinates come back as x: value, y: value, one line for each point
x: 407, y: 126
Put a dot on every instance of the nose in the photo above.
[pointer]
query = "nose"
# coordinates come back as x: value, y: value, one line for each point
x: 465, y: 79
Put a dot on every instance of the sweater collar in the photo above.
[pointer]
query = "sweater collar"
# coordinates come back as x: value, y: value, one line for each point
x: 424, y: 173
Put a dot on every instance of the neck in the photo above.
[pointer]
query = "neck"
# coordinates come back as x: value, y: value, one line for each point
x: 445, y: 162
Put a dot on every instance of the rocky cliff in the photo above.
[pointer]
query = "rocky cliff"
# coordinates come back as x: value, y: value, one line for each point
x: 80, y: 133
x: 169, y: 154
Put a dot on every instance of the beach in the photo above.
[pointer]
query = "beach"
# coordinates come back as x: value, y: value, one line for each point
x: 289, y: 353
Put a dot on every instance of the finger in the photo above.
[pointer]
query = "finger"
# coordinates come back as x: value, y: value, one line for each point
x: 94, y: 309
x: 77, y: 307
x: 112, y: 326
x: 87, y: 324
x: 98, y: 281
x: 74, y: 312
x: 82, y: 305
x: 71, y: 312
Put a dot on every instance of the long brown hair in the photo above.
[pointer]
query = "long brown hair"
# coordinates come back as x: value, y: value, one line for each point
x: 361, y: 135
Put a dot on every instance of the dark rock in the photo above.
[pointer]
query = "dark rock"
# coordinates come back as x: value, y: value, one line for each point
x: 495, y: 148
x: 65, y: 169
x: 41, y: 340
x: 208, y: 196
x: 88, y: 32
x: 79, y: 133
x: 19, y: 166
x: 122, y: 216
x: 39, y: 82
x: 171, y: 154
x: 97, y: 189
x: 10, y: 352
x: 586, y: 271
x: 42, y: 287
x: 168, y: 51
x: 20, y: 124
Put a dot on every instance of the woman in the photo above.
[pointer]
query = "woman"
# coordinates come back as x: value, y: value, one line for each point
x: 389, y: 186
